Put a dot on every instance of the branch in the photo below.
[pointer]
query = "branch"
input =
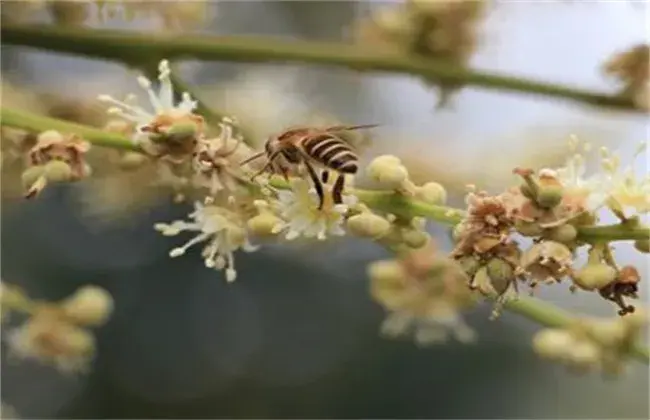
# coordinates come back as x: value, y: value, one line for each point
x: 533, y: 309
x: 382, y: 200
x: 133, y: 48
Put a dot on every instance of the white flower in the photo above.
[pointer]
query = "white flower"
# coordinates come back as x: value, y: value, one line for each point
x: 222, y: 229
x: 428, y: 330
x: 298, y: 207
x: 165, y: 111
x: 49, y: 337
x: 576, y: 185
x: 624, y: 186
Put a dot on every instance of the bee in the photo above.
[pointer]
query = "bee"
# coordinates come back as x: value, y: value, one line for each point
x: 312, y: 146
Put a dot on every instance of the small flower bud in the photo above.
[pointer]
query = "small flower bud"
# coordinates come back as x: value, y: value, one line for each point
x: 594, y: 276
x: 264, y: 224
x: 584, y: 355
x: 529, y: 229
x: 549, y: 196
x: 415, y: 238
x: 31, y: 175
x: 432, y: 193
x: 368, y: 225
x: 642, y: 245
x: 386, y: 272
x: 388, y: 171
x: 90, y: 305
x: 563, y: 234
x: 553, y: 343
x: 58, y: 171
x: 607, y: 333
x: 50, y: 136
x: 132, y: 160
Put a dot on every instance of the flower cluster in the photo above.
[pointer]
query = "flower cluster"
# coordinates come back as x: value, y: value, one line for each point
x: 174, y: 15
x: 592, y: 344
x: 447, y: 29
x: 57, y: 333
x: 55, y: 158
x: 631, y: 69
x: 549, y: 207
x: 425, y: 293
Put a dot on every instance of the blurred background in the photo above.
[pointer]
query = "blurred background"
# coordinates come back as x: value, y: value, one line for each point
x: 297, y: 334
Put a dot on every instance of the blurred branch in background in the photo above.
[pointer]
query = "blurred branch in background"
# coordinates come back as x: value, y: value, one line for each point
x: 139, y: 50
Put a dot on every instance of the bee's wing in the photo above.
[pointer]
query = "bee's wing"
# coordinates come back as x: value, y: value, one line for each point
x: 350, y: 135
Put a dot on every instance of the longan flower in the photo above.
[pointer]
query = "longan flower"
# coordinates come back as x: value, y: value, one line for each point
x: 49, y: 337
x: 212, y: 163
x: 547, y: 262
x: 445, y: 29
x: 425, y: 293
x: 486, y: 225
x: 631, y: 69
x: 624, y: 187
x: 55, y: 158
x: 223, y: 230
x: 298, y: 207
x: 170, y: 128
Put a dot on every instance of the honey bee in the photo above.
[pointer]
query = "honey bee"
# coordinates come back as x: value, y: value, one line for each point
x: 312, y: 146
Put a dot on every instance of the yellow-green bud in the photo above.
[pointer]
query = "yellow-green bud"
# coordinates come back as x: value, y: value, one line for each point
x: 264, y: 224
x: 386, y: 272
x: 132, y: 160
x: 594, y: 276
x: 30, y: 175
x: 501, y: 274
x: 563, y: 234
x: 553, y: 343
x: 90, y: 305
x: 584, y: 355
x: 368, y: 225
x: 432, y: 193
x: 642, y: 245
x: 388, y: 171
x: 607, y: 333
x: 415, y: 238
x: 530, y: 229
x: 549, y: 196
x: 58, y: 171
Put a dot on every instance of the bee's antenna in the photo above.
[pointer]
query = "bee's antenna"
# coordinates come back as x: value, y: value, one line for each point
x: 252, y: 158
x: 352, y: 127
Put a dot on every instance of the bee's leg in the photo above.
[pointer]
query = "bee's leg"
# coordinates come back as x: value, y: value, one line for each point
x: 325, y: 176
x: 317, y: 185
x: 337, y: 191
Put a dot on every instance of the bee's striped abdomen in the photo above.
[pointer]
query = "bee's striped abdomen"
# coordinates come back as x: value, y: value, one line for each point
x: 331, y: 152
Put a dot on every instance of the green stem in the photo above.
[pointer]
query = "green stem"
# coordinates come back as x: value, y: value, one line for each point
x: 30, y: 122
x: 131, y: 47
x: 534, y: 309
x: 381, y: 200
